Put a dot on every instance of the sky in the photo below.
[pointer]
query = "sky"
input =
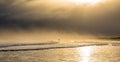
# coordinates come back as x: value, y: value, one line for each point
x: 55, y: 16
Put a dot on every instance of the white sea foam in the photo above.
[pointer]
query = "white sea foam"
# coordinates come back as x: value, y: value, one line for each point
x: 49, y: 45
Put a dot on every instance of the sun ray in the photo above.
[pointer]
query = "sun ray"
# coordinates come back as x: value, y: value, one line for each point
x: 85, y: 1
x: 80, y: 2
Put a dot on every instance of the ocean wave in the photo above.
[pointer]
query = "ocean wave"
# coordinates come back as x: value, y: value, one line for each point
x: 26, y: 44
x: 54, y: 45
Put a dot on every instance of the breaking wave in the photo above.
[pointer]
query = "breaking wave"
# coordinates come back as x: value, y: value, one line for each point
x: 50, y: 45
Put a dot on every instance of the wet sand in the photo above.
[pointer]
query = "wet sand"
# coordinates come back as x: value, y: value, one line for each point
x: 79, y: 54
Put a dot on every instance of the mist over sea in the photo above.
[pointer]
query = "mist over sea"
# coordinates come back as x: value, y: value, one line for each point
x: 59, y: 31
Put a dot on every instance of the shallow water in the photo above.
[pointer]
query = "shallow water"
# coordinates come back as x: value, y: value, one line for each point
x: 79, y: 54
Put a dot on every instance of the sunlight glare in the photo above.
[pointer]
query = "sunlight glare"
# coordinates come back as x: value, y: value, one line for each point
x: 85, y: 52
x: 85, y: 1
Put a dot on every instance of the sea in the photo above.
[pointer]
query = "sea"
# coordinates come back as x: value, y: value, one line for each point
x: 86, y: 53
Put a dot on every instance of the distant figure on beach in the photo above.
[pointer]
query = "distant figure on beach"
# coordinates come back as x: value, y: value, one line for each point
x: 59, y: 39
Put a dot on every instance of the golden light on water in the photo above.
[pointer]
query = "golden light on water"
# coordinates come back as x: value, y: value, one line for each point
x: 85, y: 52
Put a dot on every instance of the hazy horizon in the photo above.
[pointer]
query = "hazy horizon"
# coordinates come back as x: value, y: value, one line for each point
x: 54, y: 19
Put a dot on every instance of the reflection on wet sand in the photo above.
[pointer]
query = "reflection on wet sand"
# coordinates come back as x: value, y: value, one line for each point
x: 85, y: 52
x: 80, y: 54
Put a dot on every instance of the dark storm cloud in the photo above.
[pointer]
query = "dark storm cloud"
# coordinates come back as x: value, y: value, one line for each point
x: 103, y: 20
